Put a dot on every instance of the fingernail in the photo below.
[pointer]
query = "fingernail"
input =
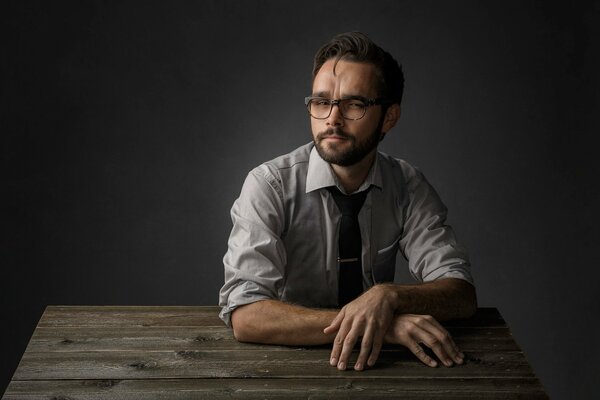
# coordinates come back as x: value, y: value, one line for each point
x: 342, y: 366
x: 333, y: 361
x: 433, y: 363
x: 358, y: 366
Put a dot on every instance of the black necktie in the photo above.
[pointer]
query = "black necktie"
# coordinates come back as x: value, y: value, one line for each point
x: 350, y: 245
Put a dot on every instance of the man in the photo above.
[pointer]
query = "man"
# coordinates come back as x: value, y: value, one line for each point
x: 311, y: 257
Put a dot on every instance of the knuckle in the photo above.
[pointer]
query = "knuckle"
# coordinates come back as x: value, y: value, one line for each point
x: 367, y: 343
x: 406, y: 334
x: 446, y: 338
x: 378, y: 341
x: 418, y: 349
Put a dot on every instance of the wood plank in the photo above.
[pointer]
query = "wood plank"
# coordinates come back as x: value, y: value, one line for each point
x: 212, y: 338
x: 252, y: 363
x: 343, y: 388
x: 94, y: 352
x: 118, y: 316
x: 187, y: 316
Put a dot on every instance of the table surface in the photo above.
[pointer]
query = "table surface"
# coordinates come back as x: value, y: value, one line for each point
x: 156, y: 352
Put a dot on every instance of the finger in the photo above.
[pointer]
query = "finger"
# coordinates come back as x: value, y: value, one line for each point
x: 453, y: 349
x: 348, y: 344
x: 435, y: 344
x: 445, y: 339
x: 336, y: 323
x: 365, y: 347
x: 418, y: 351
x: 377, y: 343
x: 338, y: 344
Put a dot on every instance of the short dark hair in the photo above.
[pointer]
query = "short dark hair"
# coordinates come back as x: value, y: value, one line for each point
x: 356, y: 46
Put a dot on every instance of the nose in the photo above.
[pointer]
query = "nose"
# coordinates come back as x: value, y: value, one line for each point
x: 335, y: 117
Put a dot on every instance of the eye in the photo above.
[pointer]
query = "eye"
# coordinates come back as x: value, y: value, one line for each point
x: 357, y: 104
x: 321, y: 102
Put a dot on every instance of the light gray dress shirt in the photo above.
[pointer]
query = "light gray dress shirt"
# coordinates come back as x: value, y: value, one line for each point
x: 284, y: 241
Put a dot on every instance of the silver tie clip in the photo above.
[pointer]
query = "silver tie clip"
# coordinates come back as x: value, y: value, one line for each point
x: 345, y: 260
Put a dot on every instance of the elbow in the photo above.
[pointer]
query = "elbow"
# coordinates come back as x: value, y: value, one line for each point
x: 240, y: 335
x: 469, y: 307
x: 243, y: 335
x: 245, y: 328
x: 238, y: 331
x: 463, y: 297
x: 240, y: 325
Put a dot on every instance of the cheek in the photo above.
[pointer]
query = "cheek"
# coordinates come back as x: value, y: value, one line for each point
x: 372, y: 123
x: 316, y: 126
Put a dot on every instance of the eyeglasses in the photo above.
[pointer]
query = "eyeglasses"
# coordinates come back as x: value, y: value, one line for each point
x: 352, y: 108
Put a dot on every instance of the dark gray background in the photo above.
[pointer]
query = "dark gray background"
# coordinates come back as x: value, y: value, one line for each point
x: 127, y: 129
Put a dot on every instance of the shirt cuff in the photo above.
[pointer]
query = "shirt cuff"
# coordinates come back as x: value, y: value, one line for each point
x: 459, y: 271
x: 246, y: 293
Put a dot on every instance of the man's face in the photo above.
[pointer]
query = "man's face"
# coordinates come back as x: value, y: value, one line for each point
x: 341, y: 141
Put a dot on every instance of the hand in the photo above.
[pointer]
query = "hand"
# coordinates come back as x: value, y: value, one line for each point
x: 413, y: 330
x: 369, y: 316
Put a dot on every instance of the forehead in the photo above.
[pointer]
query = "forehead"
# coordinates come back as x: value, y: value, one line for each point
x: 345, y: 78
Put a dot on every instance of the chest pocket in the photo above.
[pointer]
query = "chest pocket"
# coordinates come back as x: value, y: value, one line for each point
x: 384, y: 267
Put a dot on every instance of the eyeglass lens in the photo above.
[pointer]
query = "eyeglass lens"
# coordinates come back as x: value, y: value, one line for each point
x: 349, y: 108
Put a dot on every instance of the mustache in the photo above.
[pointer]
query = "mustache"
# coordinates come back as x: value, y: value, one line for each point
x: 334, y: 132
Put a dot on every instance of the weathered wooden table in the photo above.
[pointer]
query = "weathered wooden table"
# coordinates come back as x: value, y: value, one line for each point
x: 187, y: 353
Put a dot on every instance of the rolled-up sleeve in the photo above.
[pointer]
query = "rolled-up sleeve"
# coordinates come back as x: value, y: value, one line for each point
x: 255, y: 260
x: 427, y: 242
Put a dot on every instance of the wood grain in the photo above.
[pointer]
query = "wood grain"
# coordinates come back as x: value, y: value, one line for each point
x: 343, y: 388
x: 108, y: 316
x: 186, y: 352
x: 216, y: 338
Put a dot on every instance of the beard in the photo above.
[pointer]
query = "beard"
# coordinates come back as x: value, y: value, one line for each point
x: 343, y: 155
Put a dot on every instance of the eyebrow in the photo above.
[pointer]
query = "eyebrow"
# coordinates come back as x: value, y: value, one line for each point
x: 346, y: 97
x: 320, y: 94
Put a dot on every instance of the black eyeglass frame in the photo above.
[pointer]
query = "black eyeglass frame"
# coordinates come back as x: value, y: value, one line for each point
x: 368, y: 103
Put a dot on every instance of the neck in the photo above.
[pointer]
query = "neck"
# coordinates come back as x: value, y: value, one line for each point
x: 352, y: 176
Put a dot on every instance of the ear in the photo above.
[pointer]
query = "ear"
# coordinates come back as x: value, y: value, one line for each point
x: 392, y: 115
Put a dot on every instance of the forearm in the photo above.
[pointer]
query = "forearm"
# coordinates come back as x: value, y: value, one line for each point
x: 443, y: 299
x: 275, y: 322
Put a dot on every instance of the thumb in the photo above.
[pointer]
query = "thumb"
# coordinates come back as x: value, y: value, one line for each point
x: 335, y: 324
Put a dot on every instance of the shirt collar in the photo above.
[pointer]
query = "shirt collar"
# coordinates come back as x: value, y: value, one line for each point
x: 320, y: 175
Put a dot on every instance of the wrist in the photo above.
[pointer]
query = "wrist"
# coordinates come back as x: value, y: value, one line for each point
x: 390, y: 337
x: 390, y: 294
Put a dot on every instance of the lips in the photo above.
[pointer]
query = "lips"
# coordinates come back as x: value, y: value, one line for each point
x: 334, y: 135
